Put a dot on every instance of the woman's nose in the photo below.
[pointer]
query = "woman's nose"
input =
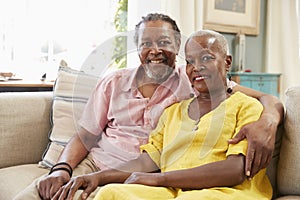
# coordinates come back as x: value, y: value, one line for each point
x: 199, y: 68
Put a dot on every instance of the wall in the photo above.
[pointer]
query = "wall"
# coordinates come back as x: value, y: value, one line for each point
x: 255, y: 45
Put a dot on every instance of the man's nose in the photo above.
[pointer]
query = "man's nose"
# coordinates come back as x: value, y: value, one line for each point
x: 155, y: 49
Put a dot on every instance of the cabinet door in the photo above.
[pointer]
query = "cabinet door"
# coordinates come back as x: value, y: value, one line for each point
x: 264, y: 86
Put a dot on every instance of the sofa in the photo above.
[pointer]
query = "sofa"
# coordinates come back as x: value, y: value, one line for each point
x: 26, y: 121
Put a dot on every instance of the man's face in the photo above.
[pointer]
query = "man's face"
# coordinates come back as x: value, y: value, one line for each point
x: 157, y: 49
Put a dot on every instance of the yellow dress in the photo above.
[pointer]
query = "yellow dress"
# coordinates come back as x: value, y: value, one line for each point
x: 178, y: 142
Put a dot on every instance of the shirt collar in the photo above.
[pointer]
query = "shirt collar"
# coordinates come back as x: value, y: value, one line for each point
x: 130, y: 83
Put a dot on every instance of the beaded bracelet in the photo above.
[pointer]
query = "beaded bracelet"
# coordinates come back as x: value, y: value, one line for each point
x: 69, y: 169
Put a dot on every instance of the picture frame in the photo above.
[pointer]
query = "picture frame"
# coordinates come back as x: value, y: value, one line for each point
x: 232, y: 16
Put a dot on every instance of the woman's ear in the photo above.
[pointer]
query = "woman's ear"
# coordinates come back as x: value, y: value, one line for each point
x: 228, y: 62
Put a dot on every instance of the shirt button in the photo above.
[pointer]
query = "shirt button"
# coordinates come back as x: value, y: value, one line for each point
x: 147, y: 122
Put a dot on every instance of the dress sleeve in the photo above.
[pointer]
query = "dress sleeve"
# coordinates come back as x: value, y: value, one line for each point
x: 249, y: 110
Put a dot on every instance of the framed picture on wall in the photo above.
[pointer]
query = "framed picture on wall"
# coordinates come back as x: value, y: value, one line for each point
x: 232, y: 16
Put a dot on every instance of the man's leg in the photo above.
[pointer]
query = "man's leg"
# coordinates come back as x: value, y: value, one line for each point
x: 31, y: 192
x: 89, y: 164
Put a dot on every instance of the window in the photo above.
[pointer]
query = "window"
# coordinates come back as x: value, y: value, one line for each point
x: 36, y: 34
x: 298, y: 23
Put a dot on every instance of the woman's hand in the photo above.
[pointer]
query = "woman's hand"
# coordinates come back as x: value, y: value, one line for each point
x: 261, y: 142
x: 87, y: 182
x: 49, y: 185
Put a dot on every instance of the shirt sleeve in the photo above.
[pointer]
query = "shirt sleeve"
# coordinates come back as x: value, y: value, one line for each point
x: 249, y: 111
x: 94, y: 117
x: 155, y: 144
x: 231, y: 84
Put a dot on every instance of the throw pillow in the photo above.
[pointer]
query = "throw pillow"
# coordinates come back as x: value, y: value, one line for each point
x: 71, y: 91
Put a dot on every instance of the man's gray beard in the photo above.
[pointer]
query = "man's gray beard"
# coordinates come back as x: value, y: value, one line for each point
x: 159, y: 77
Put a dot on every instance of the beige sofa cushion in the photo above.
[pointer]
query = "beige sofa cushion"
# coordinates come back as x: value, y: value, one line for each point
x: 272, y: 168
x: 24, y: 126
x: 288, y: 175
x: 289, y: 198
x: 71, y: 91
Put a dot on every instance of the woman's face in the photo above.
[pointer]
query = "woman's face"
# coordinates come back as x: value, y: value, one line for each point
x: 157, y: 49
x: 206, y: 64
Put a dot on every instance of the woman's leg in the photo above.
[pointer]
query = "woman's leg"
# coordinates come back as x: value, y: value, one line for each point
x: 134, y: 192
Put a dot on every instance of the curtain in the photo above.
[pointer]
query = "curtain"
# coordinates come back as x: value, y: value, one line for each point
x: 282, y: 42
x: 188, y: 16
x: 187, y: 13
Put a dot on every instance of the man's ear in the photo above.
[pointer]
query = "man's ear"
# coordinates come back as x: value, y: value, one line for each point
x: 228, y: 62
x: 178, y: 43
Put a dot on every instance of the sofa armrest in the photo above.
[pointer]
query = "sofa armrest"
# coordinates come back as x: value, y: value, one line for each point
x: 24, y: 126
x: 288, y: 175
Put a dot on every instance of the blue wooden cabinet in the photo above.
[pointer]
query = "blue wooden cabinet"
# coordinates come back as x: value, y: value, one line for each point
x: 264, y: 82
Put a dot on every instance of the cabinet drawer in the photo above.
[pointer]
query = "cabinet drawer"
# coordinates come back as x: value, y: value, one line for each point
x: 264, y: 82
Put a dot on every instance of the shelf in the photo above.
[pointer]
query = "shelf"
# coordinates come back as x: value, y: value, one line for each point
x: 25, y: 86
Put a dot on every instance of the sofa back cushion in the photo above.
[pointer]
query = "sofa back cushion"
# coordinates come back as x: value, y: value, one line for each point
x: 24, y: 126
x: 288, y: 175
x: 71, y: 92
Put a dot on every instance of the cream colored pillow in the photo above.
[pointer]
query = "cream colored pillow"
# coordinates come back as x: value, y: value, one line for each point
x: 71, y: 92
x: 288, y: 175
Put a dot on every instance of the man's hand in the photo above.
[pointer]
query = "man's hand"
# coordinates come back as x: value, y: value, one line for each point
x: 261, y: 142
x: 49, y: 185
x: 87, y: 182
